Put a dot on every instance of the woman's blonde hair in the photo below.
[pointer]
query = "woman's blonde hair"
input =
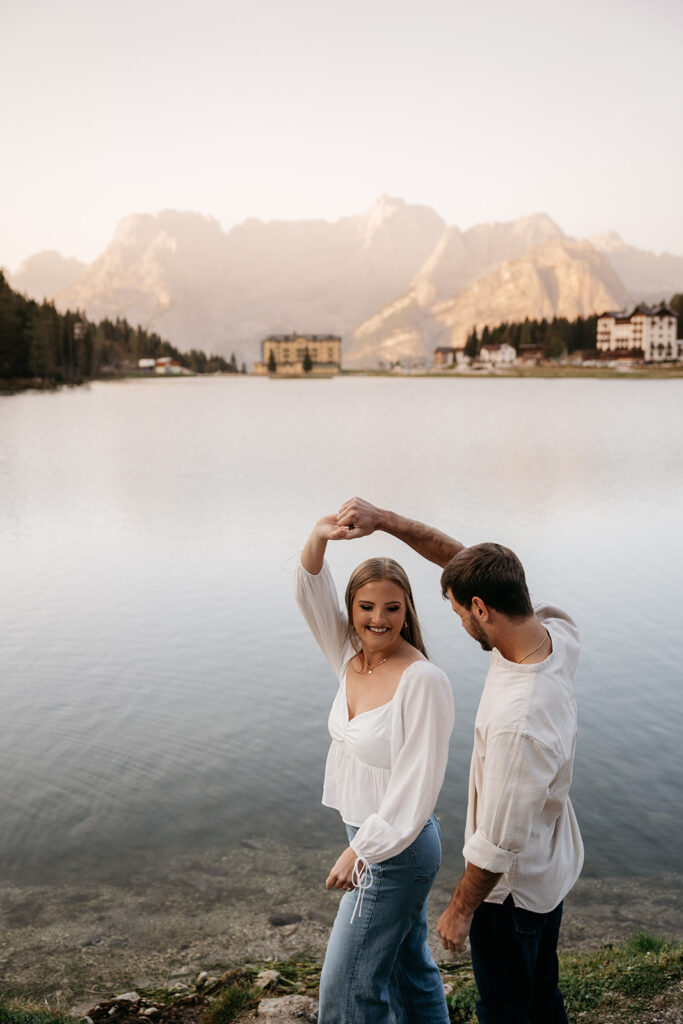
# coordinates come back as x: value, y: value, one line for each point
x: 370, y: 571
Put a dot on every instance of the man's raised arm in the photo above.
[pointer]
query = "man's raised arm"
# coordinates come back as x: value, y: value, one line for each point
x: 360, y: 518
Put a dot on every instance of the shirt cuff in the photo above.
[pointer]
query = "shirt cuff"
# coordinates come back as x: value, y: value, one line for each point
x: 485, y: 855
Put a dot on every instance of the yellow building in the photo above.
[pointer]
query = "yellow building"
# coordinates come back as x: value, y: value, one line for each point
x: 286, y: 354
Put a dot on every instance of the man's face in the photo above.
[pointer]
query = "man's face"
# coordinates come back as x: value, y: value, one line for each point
x: 470, y: 623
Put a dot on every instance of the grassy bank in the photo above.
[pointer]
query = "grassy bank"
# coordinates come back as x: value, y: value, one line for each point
x: 635, y: 983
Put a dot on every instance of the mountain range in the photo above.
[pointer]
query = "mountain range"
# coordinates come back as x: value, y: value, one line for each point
x: 394, y: 282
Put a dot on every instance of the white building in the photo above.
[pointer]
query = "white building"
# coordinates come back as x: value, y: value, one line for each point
x: 650, y: 331
x: 497, y: 355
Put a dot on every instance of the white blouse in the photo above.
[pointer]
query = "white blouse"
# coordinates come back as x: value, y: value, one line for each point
x: 386, y: 766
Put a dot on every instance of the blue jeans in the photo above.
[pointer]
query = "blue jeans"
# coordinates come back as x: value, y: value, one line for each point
x: 514, y: 958
x: 378, y: 969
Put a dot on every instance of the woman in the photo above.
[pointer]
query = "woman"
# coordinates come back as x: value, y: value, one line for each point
x: 390, y: 724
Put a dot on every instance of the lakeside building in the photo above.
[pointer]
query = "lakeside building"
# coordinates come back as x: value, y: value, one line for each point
x: 497, y: 355
x: 646, y: 334
x: 165, y: 365
x: 286, y: 354
x: 445, y: 358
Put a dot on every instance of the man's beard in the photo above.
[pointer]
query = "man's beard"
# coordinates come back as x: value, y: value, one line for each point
x: 478, y: 634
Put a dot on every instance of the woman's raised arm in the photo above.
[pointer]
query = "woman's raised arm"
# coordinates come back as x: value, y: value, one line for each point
x: 313, y: 554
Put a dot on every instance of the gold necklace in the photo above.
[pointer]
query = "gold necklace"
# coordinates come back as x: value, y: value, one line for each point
x: 371, y: 670
x: 535, y: 648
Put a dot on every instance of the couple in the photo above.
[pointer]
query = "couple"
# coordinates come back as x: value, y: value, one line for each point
x: 390, y: 725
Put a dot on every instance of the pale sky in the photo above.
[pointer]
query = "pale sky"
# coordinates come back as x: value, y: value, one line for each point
x: 293, y: 109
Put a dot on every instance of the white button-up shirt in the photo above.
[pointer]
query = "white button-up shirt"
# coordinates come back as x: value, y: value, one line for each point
x: 520, y: 821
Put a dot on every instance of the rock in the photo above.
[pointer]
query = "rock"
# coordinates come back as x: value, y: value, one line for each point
x: 87, y: 1020
x: 201, y: 979
x: 178, y: 987
x: 448, y: 988
x: 266, y: 978
x: 131, y: 997
x: 151, y: 1011
x: 289, y: 1009
x: 279, y: 920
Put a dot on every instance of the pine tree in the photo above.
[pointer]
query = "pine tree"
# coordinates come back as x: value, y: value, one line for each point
x: 272, y: 364
x: 472, y: 345
x: 308, y: 362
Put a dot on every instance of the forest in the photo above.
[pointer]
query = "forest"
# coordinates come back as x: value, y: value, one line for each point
x: 40, y: 347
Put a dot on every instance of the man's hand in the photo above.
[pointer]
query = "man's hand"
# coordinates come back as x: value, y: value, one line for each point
x: 454, y: 923
x: 453, y: 929
x: 340, y: 877
x: 358, y: 518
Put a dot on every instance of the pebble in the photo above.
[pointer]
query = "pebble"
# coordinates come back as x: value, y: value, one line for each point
x: 201, y: 979
x: 132, y: 997
x: 279, y: 920
x: 266, y: 978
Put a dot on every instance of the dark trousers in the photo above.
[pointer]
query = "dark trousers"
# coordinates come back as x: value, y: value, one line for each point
x: 514, y: 957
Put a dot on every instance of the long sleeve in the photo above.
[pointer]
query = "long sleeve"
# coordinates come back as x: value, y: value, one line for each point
x: 317, y: 598
x: 421, y: 729
x: 513, y: 799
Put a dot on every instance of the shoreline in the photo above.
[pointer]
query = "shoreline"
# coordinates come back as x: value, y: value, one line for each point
x: 9, y: 388
x: 73, y: 945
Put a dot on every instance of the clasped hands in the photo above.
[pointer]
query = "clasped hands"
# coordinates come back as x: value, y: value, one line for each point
x: 355, y: 518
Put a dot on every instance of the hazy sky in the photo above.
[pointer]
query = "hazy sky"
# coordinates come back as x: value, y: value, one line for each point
x: 288, y: 109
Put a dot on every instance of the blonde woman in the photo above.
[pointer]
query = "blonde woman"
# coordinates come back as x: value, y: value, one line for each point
x: 390, y: 724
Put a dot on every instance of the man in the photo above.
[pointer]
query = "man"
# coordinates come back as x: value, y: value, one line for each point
x: 523, y: 849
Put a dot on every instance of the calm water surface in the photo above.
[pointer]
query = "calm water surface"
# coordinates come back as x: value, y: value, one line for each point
x: 159, y: 691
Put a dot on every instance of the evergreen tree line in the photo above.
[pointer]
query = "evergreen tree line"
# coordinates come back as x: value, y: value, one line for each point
x: 556, y: 337
x: 39, y: 344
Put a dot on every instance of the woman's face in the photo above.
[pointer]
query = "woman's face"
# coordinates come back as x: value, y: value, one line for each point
x: 379, y: 611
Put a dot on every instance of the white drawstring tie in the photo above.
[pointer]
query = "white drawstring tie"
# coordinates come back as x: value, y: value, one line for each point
x: 361, y: 879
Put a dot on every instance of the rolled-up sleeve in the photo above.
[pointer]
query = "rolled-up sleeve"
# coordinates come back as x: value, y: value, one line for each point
x: 317, y: 598
x: 517, y: 774
x: 417, y: 772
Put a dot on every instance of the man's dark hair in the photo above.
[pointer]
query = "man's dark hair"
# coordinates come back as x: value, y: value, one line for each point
x: 494, y: 574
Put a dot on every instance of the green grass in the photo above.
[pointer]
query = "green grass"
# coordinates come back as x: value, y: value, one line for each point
x: 11, y: 1012
x: 232, y: 1000
x: 614, y: 978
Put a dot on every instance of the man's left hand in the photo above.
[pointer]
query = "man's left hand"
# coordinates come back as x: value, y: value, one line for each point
x: 453, y: 929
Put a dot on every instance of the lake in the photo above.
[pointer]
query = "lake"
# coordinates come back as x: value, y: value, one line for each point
x: 161, y: 696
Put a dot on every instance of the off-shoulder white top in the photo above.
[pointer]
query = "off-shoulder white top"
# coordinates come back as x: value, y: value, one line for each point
x: 386, y: 766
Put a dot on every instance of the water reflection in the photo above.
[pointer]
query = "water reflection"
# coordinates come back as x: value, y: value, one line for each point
x: 160, y: 692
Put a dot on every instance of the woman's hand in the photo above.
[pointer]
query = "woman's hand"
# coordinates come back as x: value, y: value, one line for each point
x: 313, y: 553
x: 328, y: 528
x: 340, y: 877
